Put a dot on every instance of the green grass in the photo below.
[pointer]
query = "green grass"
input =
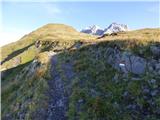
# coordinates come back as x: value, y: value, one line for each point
x: 49, y: 34
x: 103, y: 96
x: 94, y: 83
x: 23, y: 91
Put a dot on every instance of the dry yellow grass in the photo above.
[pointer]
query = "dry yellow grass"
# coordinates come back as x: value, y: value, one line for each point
x: 63, y: 34
x: 131, y: 39
x: 66, y: 36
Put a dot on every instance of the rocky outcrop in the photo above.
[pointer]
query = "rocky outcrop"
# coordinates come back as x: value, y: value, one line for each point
x: 129, y: 63
x: 155, y: 51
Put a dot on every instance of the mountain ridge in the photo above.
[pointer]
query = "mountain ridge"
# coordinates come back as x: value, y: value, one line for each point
x: 112, y: 28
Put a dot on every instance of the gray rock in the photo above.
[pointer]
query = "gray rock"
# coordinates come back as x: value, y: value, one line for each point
x: 133, y: 64
x: 135, y: 79
x: 125, y: 94
x: 146, y: 91
x: 150, y: 68
x: 125, y: 61
x: 155, y: 50
x: 115, y: 78
x: 131, y: 106
x: 80, y: 101
x: 157, y: 66
x: 154, y: 92
x: 78, y: 45
x: 151, y: 65
x: 152, y: 81
x: 60, y: 103
x: 113, y: 57
x: 94, y: 93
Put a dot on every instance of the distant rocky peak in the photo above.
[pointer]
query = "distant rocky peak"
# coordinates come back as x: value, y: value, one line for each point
x: 93, y: 29
x: 115, y: 27
x: 119, y: 25
x: 112, y: 28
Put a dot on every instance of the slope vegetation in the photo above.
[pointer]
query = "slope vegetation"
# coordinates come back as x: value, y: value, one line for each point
x: 56, y: 71
x: 25, y: 50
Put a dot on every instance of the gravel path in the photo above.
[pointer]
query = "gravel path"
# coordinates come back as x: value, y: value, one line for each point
x: 58, y: 102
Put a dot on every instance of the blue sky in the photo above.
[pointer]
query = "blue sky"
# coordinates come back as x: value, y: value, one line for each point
x: 19, y: 18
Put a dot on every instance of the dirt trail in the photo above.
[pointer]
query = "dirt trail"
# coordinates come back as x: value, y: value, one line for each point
x: 58, y: 102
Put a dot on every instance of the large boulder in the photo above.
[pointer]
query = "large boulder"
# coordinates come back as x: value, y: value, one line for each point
x: 132, y: 63
x: 125, y: 61
x: 155, y: 50
x: 113, y: 56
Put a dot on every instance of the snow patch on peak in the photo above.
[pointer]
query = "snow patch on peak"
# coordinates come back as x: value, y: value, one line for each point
x: 94, y: 30
x: 115, y: 27
x: 112, y: 28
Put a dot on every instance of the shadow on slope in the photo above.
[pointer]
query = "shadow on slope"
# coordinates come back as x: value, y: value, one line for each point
x: 15, y: 53
x: 23, y: 89
x: 97, y: 90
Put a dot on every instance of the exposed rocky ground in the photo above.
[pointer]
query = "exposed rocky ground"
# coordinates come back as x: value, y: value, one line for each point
x: 58, y: 103
x: 59, y: 98
x: 129, y: 91
x: 128, y: 62
x: 57, y: 73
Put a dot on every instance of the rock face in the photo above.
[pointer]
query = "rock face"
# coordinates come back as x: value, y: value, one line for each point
x: 133, y: 63
x: 155, y: 51
x: 113, y: 28
x: 94, y: 30
x: 128, y: 62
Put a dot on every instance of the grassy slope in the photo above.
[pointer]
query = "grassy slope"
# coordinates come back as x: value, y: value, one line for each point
x: 23, y: 88
x: 102, y: 95
x: 19, y: 89
x: 65, y: 35
x: 101, y: 88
